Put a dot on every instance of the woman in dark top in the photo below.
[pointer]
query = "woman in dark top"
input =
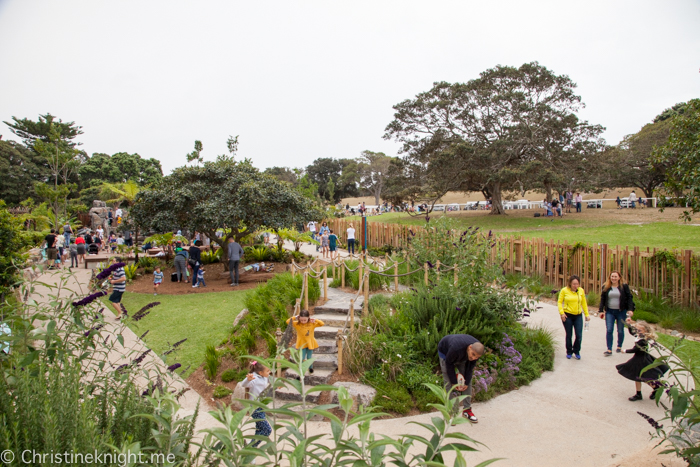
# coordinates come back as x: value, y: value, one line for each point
x: 615, y: 302
x: 195, y: 261
x: 632, y: 369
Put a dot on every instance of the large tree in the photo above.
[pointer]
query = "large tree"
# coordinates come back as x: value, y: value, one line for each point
x: 30, y: 131
x: 374, y: 171
x: 344, y: 173
x: 507, y: 118
x: 21, y: 168
x: 120, y: 168
x: 224, y: 194
x: 681, y: 156
x: 283, y: 174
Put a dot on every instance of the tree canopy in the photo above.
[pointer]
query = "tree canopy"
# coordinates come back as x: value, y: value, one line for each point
x: 30, y: 131
x: 681, y: 156
x: 21, y: 168
x: 499, y: 125
x: 224, y: 194
x: 119, y: 168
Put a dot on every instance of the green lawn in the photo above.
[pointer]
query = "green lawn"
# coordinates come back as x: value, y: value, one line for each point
x: 607, y: 228
x: 204, y: 318
x: 687, y: 351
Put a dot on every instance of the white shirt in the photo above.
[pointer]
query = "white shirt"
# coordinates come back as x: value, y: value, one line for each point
x: 119, y: 212
x: 633, y: 197
x: 60, y: 241
x: 312, y: 226
x: 256, y: 386
x: 579, y: 198
x: 351, y: 233
x: 100, y: 232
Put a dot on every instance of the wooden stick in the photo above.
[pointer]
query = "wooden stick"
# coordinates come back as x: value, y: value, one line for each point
x: 342, y: 274
x: 437, y: 270
x: 340, y: 352
x: 396, y: 276
x: 278, y: 334
x: 306, y: 290
x: 325, y: 284
x: 352, y: 315
x: 365, y: 302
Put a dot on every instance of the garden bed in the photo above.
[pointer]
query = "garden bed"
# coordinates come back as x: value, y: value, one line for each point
x: 216, y: 278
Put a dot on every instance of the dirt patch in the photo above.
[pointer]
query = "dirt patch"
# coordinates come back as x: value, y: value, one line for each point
x: 216, y: 278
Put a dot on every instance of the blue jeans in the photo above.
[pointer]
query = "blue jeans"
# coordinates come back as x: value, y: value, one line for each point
x: 612, y: 317
x: 307, y: 354
x: 200, y: 282
x: 573, y: 323
x: 351, y: 246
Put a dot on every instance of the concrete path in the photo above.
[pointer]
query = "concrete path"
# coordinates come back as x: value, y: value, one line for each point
x: 576, y: 415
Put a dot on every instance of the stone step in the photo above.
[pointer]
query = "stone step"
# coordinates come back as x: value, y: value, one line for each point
x: 325, y: 361
x: 336, y: 319
x: 325, y: 346
x: 291, y: 394
x: 330, y: 309
x: 320, y: 376
x: 326, y: 332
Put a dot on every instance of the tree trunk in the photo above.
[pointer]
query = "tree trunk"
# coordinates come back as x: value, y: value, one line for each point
x: 548, y: 191
x: 496, y: 201
x: 377, y: 194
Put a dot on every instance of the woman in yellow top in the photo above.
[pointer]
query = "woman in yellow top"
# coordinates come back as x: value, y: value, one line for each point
x: 304, y: 325
x: 572, y: 303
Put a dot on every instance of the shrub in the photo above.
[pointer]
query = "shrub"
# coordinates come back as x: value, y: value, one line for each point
x: 646, y: 316
x: 212, y: 256
x: 593, y: 299
x: 148, y: 262
x: 212, y: 360
x: 233, y: 375
x: 221, y: 392
x: 261, y: 253
x: 130, y: 271
x: 390, y: 396
x: 690, y: 320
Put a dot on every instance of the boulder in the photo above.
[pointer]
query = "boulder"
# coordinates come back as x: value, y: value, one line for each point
x: 361, y: 393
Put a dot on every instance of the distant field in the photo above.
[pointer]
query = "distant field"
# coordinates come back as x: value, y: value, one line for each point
x: 626, y: 227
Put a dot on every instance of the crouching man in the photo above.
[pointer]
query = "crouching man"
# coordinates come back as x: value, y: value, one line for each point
x: 458, y: 354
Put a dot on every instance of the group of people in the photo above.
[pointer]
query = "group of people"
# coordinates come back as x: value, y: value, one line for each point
x: 326, y: 238
x: 60, y: 246
x: 616, y: 308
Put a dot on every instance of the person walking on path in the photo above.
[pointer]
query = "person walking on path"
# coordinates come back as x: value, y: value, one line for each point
x: 235, y: 252
x: 618, y: 201
x: 616, y: 301
x: 312, y: 230
x: 633, y: 200
x: 325, y: 243
x: 459, y: 353
x: 351, y: 239
x: 195, y: 261
x: 73, y: 251
x: 304, y: 326
x: 569, y: 201
x: 80, y: 243
x: 200, y: 277
x: 67, y: 231
x: 51, y: 253
x: 572, y: 303
x: 632, y: 369
x: 578, y: 200
x: 118, y: 282
x: 333, y: 245
x: 181, y: 264
x: 257, y: 382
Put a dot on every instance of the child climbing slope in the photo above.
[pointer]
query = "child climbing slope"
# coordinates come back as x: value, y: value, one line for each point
x: 304, y: 326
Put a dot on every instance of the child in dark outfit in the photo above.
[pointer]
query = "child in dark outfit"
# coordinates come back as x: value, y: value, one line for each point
x: 632, y: 368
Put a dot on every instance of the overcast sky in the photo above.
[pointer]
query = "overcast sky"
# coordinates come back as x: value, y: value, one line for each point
x: 299, y: 80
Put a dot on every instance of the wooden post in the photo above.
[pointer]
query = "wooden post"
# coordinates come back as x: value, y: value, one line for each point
x: 396, y: 276
x: 359, y: 274
x: 278, y: 334
x: 425, y: 273
x: 294, y: 268
x: 340, y: 352
x: 342, y: 274
x: 437, y: 270
x: 365, y: 302
x: 455, y: 275
x: 297, y: 307
x: 325, y: 284
x: 352, y: 315
x: 306, y: 290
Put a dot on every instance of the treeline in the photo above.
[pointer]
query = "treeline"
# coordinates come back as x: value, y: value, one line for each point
x: 49, y: 167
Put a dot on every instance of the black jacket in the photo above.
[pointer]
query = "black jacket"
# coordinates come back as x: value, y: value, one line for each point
x: 454, y: 348
x: 626, y: 299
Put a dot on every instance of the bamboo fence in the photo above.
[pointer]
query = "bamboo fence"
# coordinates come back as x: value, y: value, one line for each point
x: 667, y: 273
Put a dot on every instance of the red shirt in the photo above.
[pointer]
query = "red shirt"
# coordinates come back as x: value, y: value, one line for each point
x: 79, y: 240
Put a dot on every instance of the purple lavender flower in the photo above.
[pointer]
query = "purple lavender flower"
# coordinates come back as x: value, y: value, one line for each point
x: 109, y: 270
x: 177, y: 344
x: 147, y: 307
x: 143, y: 335
x: 430, y: 265
x: 89, y: 299
x: 121, y: 368
x: 490, y: 234
x: 458, y: 308
x: 651, y: 421
x: 140, y: 358
x: 174, y: 367
x: 94, y: 328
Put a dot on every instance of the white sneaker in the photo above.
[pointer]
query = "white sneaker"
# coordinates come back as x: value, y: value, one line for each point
x: 195, y: 286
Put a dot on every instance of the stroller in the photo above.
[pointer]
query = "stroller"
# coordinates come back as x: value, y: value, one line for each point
x: 93, y: 249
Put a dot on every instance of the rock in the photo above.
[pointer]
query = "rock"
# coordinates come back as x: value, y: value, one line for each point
x: 240, y: 316
x: 674, y: 333
x: 361, y: 393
